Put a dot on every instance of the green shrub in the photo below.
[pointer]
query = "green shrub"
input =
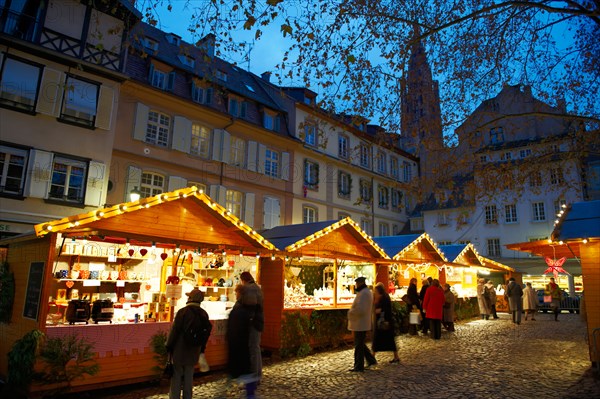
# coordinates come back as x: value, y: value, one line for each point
x: 295, y: 338
x: 67, y: 358
x: 328, y: 327
x: 21, y: 359
x: 158, y: 343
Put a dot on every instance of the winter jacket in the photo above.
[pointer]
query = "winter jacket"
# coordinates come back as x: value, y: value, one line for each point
x: 182, y: 353
x: 433, y: 304
x: 359, y: 314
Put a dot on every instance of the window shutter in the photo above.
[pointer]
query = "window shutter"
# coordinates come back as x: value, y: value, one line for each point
x: 151, y: 73
x: 105, y: 107
x: 134, y: 180
x: 182, y: 134
x: 217, y: 148
x: 95, y: 184
x: 176, y: 182
x: 252, y: 159
x: 209, y: 94
x: 285, y: 166
x: 271, y: 212
x: 141, y: 122
x: 226, y: 146
x: 50, y: 94
x: 171, y: 81
x: 39, y: 173
x: 262, y: 157
x: 218, y: 194
x: 1, y: 58
x: 249, y: 209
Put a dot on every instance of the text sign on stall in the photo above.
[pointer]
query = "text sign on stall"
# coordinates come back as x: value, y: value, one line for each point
x: 34, y: 290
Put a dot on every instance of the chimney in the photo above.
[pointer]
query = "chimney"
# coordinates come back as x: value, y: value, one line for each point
x: 266, y: 76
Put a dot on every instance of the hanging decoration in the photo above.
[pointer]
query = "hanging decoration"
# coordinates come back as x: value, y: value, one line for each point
x: 555, y: 266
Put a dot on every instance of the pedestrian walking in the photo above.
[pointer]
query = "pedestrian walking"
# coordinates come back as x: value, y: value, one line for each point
x: 483, y: 299
x: 383, y: 334
x: 554, y: 291
x: 186, y: 341
x: 412, y: 300
x: 359, y: 322
x: 433, y: 305
x: 530, y: 301
x: 449, y: 301
x: 515, y: 294
x: 252, y: 298
x: 493, y: 298
x: 424, y: 321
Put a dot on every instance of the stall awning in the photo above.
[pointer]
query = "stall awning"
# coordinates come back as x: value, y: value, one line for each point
x: 186, y: 217
x: 577, y: 225
x: 338, y: 239
x: 412, y: 247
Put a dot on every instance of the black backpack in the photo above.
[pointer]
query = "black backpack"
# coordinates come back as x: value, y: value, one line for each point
x: 196, y: 328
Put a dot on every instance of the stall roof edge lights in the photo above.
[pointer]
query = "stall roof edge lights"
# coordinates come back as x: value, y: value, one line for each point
x: 424, y: 237
x: 184, y: 194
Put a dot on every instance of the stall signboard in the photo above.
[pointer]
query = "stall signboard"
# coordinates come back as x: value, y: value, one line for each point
x: 34, y: 290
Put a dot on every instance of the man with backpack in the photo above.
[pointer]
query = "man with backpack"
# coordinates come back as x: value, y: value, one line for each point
x: 186, y: 341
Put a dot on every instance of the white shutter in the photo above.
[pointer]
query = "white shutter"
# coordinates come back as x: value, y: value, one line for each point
x: 285, y: 166
x: 262, y: 156
x: 176, y: 182
x: 226, y: 145
x: 252, y: 155
x: 141, y: 122
x: 182, y: 134
x: 217, y: 147
x: 271, y: 212
x: 222, y: 196
x: 134, y: 180
x: 105, y: 107
x: 39, y: 173
x: 51, y: 91
x: 218, y: 194
x: 95, y: 184
x: 249, y: 209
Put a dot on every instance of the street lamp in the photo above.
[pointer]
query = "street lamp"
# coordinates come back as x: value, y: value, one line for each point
x: 135, y: 194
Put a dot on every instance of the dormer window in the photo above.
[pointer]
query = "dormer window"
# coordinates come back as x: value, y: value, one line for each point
x: 161, y: 79
x: 174, y: 39
x: 250, y: 88
x: 187, y: 60
x: 200, y: 94
x: 150, y: 44
x: 237, y: 107
x: 497, y: 135
x: 221, y: 76
x: 271, y: 120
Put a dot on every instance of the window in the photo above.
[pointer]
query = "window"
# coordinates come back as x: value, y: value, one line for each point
x: 19, y: 84
x: 383, y: 197
x: 158, y: 79
x: 444, y: 242
x: 201, y: 186
x: 365, y: 156
x: 311, y: 175
x: 202, y: 95
x: 68, y: 178
x: 343, y: 146
x: 395, y: 229
x: 463, y: 218
x: 366, y: 226
x: 506, y: 156
x: 496, y: 135
x: 416, y: 224
x: 187, y: 60
x: 343, y: 215
x: 173, y: 39
x: 493, y: 247
x: 271, y: 163
x: 152, y: 184
x: 310, y: 134
x: 344, y: 184
x: 13, y: 163
x: 233, y: 203
x: 442, y: 219
x: 309, y: 214
x: 200, y: 142
x: 384, y: 229
x: 150, y: 44
x: 381, y: 162
x: 365, y: 190
x: 395, y: 168
x: 271, y: 121
x: 237, y: 152
x: 510, y: 212
x: 157, y: 131
x: 221, y: 76
x: 396, y: 199
x: 491, y: 214
x: 539, y: 214
x: 80, y: 101
x: 483, y: 158
x: 535, y: 180
x: 407, y: 171
x: 556, y: 176
x: 237, y: 107
x: 525, y: 153
x: 559, y: 205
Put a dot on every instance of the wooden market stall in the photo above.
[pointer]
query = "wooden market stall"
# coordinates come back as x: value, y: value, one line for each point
x: 139, y: 258
x: 321, y: 261
x: 577, y: 235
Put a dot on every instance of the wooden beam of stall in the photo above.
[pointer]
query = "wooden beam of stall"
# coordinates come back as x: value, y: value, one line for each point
x: 335, y: 291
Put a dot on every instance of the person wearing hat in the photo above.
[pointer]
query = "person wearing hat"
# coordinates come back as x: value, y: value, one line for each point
x: 182, y: 350
x: 359, y: 322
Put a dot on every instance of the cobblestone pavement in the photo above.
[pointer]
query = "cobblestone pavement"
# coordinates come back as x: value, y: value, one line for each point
x: 482, y: 359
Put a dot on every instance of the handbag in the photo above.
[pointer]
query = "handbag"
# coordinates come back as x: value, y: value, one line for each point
x: 382, y: 323
x: 547, y: 298
x: 203, y: 364
x: 168, y: 370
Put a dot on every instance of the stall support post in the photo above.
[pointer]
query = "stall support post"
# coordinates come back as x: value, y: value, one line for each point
x: 335, y: 282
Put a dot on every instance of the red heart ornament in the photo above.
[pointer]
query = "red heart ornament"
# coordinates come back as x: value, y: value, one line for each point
x: 70, y: 284
x: 131, y: 252
x: 164, y: 256
x: 122, y: 300
x: 143, y: 251
x: 148, y: 286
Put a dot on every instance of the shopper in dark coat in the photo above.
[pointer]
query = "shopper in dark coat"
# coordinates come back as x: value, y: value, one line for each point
x: 239, y: 324
x: 424, y: 321
x: 384, y: 338
x: 412, y: 295
x: 183, y: 355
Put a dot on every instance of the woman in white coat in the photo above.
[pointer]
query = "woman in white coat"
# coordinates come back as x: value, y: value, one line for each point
x: 530, y: 301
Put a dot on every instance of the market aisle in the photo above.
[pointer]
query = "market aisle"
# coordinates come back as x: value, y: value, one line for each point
x: 482, y: 359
